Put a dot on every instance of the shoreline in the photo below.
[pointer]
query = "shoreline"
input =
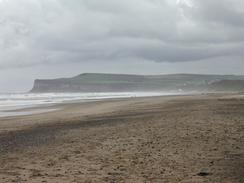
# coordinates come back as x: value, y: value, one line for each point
x: 195, y: 138
x: 23, y: 110
x: 28, y: 109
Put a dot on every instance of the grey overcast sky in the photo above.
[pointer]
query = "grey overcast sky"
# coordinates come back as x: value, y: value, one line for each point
x: 62, y: 38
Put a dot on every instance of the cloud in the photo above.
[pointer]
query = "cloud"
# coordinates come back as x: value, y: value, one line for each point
x: 34, y: 32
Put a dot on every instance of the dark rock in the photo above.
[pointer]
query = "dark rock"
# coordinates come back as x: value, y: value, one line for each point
x: 203, y: 174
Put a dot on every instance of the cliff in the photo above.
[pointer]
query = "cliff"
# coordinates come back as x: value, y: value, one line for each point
x: 91, y: 82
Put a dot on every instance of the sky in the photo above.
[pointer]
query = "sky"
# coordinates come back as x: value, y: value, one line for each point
x: 63, y: 38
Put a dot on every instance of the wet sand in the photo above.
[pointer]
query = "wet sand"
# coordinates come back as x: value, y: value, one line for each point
x: 153, y: 139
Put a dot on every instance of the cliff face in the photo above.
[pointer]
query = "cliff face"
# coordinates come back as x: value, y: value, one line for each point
x: 127, y: 83
x: 67, y: 86
x: 50, y: 86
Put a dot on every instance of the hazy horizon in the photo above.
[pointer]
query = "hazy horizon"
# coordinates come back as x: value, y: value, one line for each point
x: 53, y: 39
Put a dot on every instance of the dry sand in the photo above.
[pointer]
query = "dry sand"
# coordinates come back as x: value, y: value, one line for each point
x: 156, y: 139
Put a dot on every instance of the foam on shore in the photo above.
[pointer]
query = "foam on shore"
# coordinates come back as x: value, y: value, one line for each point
x: 12, y: 104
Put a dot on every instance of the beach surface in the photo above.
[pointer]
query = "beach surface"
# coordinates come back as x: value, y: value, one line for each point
x: 197, y: 138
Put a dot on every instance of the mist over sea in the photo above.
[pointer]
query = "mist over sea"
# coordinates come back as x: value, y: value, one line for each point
x: 12, y: 104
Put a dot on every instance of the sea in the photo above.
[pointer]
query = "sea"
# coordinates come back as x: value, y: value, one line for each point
x: 16, y: 104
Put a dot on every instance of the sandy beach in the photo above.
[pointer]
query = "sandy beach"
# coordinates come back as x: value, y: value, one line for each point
x: 198, y: 138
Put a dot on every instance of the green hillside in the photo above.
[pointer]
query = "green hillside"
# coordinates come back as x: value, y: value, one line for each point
x: 228, y: 85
